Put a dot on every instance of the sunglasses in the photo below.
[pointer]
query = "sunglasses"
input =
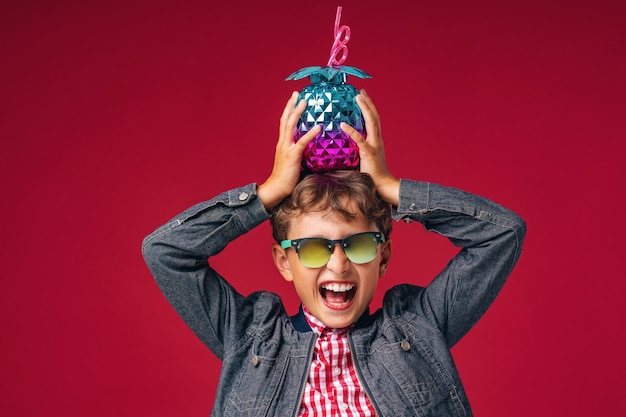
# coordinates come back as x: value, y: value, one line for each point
x: 314, y: 252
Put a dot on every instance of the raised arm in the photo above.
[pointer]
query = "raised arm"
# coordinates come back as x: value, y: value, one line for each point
x: 177, y: 253
x: 490, y: 236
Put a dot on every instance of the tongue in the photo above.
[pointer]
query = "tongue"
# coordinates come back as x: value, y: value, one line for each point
x: 336, y: 297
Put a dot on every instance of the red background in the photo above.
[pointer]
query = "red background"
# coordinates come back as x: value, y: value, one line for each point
x: 116, y: 115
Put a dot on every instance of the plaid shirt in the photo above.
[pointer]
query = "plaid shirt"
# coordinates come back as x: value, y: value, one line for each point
x: 333, y: 388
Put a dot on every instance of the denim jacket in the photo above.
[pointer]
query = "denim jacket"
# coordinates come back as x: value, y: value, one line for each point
x: 401, y: 352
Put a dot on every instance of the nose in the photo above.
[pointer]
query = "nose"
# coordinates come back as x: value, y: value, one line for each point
x: 338, y: 261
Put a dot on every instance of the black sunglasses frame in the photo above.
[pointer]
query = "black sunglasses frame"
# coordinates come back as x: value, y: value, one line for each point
x: 295, y: 243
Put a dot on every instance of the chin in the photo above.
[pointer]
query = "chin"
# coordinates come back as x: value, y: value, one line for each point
x: 339, y: 322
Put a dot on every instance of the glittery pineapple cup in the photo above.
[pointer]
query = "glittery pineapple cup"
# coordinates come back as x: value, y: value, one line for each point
x: 330, y: 100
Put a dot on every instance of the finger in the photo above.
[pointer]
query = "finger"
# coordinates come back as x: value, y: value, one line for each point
x: 308, y: 137
x: 289, y: 107
x: 353, y: 133
x: 367, y: 108
x: 288, y: 127
x: 293, y: 116
x: 369, y: 103
x: 370, y: 116
x: 297, y: 111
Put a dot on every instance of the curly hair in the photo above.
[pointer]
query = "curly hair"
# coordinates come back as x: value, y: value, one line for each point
x: 340, y: 192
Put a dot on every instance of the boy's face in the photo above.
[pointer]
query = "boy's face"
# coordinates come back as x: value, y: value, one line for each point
x: 356, y: 283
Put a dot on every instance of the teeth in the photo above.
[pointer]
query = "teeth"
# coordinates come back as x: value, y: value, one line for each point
x: 338, y: 287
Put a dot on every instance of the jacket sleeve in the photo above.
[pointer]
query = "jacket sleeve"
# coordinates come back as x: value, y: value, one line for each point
x: 490, y: 238
x: 177, y: 255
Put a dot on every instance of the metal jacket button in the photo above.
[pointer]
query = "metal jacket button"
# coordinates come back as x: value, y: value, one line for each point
x: 405, y: 345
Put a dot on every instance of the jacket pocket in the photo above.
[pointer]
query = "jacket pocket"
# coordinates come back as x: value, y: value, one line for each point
x: 412, y: 380
x: 257, y: 382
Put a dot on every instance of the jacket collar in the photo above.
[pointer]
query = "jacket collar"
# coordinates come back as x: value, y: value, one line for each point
x: 300, y: 324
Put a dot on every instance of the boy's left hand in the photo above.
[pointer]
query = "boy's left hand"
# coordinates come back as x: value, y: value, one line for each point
x: 372, y: 151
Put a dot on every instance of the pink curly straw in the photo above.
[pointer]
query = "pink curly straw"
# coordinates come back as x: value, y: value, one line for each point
x: 342, y: 36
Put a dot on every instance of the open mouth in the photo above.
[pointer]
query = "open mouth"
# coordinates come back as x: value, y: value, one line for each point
x: 337, y: 295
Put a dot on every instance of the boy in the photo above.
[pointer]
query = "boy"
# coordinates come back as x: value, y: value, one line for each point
x: 332, y: 230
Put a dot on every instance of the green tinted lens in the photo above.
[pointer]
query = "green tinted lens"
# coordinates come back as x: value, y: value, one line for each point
x: 360, y: 248
x: 313, y: 253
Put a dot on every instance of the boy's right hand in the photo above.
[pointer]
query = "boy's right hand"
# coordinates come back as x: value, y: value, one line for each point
x: 288, y: 158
